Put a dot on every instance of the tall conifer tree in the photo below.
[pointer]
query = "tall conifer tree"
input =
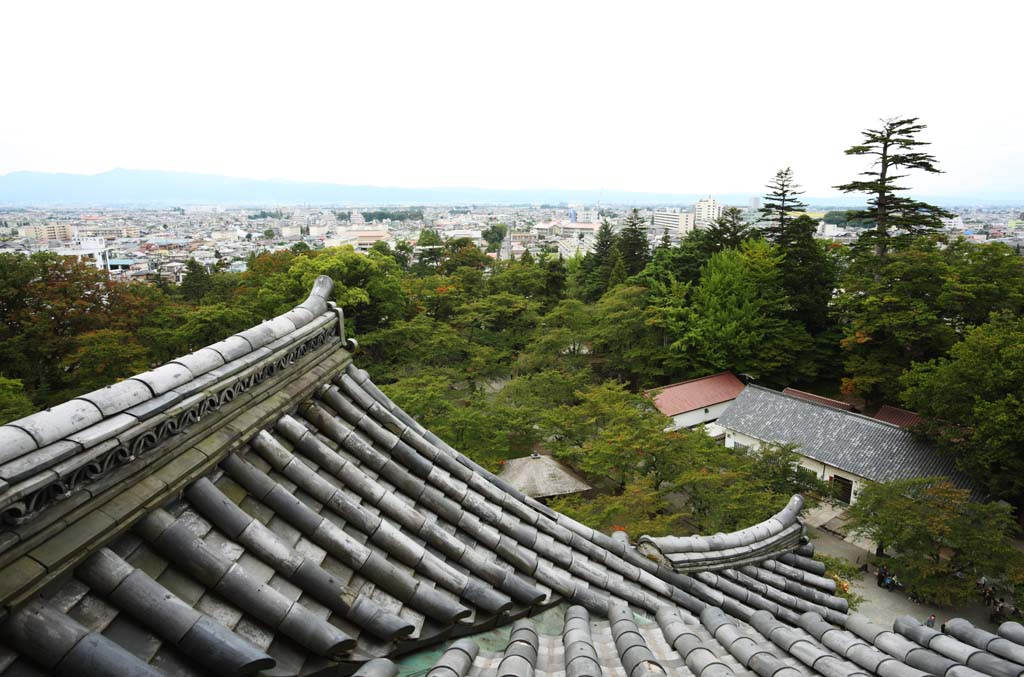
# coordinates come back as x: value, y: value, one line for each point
x: 781, y: 200
x: 894, y: 149
x: 633, y: 246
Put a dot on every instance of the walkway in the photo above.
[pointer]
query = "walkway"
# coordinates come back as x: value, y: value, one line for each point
x: 882, y: 606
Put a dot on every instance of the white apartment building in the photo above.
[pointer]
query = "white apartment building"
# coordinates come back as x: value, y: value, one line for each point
x: 706, y: 211
x: 59, y: 230
x: 677, y: 224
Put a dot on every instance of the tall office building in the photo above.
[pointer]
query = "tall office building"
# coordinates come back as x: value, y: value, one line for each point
x: 706, y: 211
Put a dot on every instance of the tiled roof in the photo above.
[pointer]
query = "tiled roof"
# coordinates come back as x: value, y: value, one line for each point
x: 305, y: 525
x: 897, y: 416
x: 541, y: 476
x: 811, y: 397
x: 696, y: 393
x: 858, y: 444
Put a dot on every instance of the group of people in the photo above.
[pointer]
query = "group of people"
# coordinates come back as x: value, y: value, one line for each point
x: 887, y: 579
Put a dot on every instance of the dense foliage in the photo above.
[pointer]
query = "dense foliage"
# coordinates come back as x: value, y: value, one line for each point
x: 940, y: 542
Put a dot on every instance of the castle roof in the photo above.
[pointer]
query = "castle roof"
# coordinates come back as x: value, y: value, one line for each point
x: 261, y: 507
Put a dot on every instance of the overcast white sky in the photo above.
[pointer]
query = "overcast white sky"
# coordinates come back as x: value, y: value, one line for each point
x: 680, y: 97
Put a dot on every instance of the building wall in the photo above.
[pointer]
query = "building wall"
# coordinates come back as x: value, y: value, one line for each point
x: 689, y: 419
x: 706, y: 211
x: 823, y: 471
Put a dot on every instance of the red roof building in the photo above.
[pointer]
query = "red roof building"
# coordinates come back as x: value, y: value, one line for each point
x: 697, y: 401
x: 897, y: 416
x: 827, y: 401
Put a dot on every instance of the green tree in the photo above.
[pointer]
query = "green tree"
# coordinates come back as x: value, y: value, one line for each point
x: 780, y: 202
x: 103, y: 357
x: 624, y: 344
x: 597, y: 264
x: 728, y: 231
x: 723, y: 488
x: 894, y: 148
x: 14, y: 403
x: 493, y: 235
x: 196, y: 281
x: 610, y: 433
x: 633, y: 248
x: 973, y: 402
x: 941, y: 541
x: 893, y: 312
x: 740, y: 319
x: 462, y: 253
x: 640, y: 508
x: 618, y: 273
x: 560, y: 339
x: 208, y: 324
x: 431, y: 252
x: 367, y: 286
x: 808, y: 273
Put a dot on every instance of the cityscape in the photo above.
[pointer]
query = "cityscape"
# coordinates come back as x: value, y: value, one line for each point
x: 151, y: 244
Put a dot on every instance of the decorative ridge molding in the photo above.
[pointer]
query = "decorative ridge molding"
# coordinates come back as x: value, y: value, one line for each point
x: 750, y: 536
x: 44, y: 457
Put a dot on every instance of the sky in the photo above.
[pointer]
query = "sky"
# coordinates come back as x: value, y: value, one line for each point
x: 680, y: 97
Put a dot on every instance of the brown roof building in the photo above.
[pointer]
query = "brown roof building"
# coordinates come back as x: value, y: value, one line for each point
x: 897, y: 416
x: 827, y: 401
x: 697, y: 401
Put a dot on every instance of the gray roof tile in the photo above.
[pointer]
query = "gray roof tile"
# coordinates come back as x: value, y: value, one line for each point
x: 858, y: 444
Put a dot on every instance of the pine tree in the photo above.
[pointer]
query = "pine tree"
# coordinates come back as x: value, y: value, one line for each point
x: 780, y: 201
x: 597, y: 264
x: 633, y: 246
x: 728, y: 231
x: 196, y: 281
x: 894, y: 149
x: 618, y: 274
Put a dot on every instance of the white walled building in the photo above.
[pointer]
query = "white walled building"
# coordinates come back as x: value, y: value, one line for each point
x: 706, y: 211
x: 697, y: 401
x: 678, y: 224
x: 843, y: 448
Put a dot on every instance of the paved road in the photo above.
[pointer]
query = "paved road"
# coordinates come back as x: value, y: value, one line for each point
x: 882, y: 606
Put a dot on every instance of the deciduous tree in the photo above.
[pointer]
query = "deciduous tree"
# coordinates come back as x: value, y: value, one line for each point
x: 940, y: 540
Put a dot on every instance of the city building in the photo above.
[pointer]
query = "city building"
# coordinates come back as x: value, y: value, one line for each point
x: 51, y: 230
x: 361, y: 240
x: 673, y: 222
x: 108, y: 231
x: 706, y: 211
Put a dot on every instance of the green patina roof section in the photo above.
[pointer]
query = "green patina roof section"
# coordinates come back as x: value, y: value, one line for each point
x: 549, y: 622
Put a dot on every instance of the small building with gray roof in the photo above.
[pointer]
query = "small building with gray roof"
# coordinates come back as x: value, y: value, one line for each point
x: 843, y: 448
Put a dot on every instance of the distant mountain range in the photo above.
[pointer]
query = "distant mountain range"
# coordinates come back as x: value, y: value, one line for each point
x: 148, y: 188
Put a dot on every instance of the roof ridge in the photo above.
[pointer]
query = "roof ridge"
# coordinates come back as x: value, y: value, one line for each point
x: 856, y: 414
x: 691, y: 380
x: 48, y: 454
